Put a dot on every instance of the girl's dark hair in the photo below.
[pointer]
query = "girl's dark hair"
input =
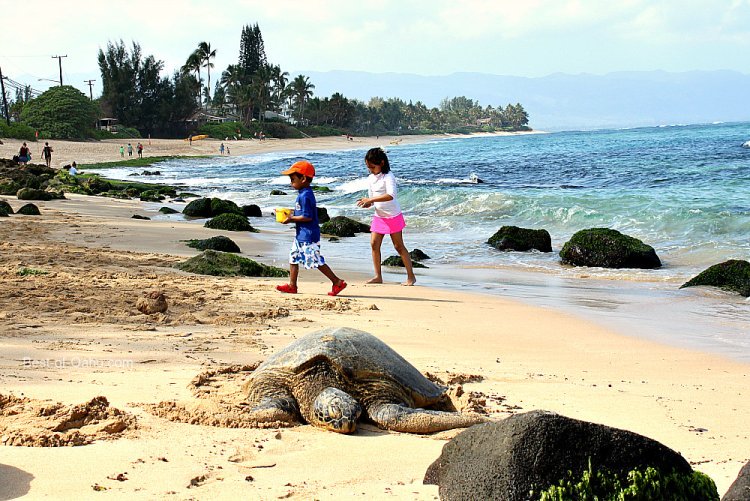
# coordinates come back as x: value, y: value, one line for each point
x: 377, y: 156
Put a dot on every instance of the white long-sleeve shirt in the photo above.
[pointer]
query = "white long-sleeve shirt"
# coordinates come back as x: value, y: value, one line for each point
x: 380, y: 184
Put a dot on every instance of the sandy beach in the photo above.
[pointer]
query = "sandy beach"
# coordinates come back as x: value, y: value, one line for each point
x: 70, y: 332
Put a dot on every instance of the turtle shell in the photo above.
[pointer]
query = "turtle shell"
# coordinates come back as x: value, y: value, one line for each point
x: 356, y: 354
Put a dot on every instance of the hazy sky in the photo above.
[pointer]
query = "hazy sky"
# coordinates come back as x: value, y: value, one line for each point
x: 426, y: 37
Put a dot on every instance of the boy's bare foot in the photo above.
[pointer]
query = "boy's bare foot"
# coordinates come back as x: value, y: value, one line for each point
x: 410, y: 281
x: 375, y: 280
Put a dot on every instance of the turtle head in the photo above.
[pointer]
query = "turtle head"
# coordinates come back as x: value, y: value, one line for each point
x: 336, y: 410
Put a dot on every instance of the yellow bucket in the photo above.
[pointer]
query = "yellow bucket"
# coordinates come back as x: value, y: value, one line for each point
x: 282, y: 214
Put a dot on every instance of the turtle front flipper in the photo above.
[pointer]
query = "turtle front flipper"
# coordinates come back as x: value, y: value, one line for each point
x: 396, y: 417
x: 335, y: 410
x: 276, y: 409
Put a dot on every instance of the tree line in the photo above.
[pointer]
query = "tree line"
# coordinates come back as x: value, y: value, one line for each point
x: 137, y: 95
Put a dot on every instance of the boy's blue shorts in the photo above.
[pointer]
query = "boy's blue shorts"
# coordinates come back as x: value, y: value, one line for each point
x: 307, y: 254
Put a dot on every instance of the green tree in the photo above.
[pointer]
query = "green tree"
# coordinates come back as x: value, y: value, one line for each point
x: 194, y: 63
x: 205, y: 53
x: 62, y: 112
x: 302, y: 89
x: 252, y: 52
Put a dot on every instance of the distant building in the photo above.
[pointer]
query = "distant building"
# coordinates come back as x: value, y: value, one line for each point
x: 108, y: 124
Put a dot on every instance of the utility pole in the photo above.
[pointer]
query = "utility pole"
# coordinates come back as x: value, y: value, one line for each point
x: 59, y: 62
x: 5, y: 99
x: 91, y: 83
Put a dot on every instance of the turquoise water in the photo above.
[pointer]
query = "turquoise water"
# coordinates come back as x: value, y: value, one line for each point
x: 685, y: 190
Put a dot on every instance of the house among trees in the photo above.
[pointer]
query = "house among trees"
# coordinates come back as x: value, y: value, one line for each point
x: 108, y: 124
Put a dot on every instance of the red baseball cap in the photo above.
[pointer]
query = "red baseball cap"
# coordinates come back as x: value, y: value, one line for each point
x: 302, y: 167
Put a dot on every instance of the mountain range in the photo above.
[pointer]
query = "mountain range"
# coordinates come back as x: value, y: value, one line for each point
x: 565, y: 101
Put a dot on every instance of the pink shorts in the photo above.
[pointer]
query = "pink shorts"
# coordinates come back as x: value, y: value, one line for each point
x: 387, y: 225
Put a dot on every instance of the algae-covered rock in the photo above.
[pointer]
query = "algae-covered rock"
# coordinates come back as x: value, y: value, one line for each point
x: 4, y: 205
x: 513, y: 238
x: 418, y: 255
x: 96, y: 184
x: 9, y: 187
x: 251, y: 210
x: 223, y: 264
x: 3, y: 212
x: 219, y: 243
x: 342, y: 226
x: 210, y: 207
x: 278, y: 192
x: 168, y: 210
x: 608, y: 248
x: 397, y: 261
x: 732, y: 275
x: 230, y: 222
x: 29, y: 210
x: 33, y: 194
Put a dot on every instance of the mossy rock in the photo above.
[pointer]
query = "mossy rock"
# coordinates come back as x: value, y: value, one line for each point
x: 251, y: 210
x: 219, y: 243
x: 151, y: 196
x: 342, y: 226
x: 397, y: 261
x: 223, y: 264
x: 322, y: 189
x: 278, y: 192
x: 4, y: 205
x: 168, y: 210
x: 9, y: 187
x: 607, y: 248
x: 29, y: 210
x: 33, y: 194
x: 3, y: 212
x: 732, y: 275
x: 210, y: 207
x: 418, y: 255
x: 230, y: 222
x: 96, y: 184
x: 323, y: 216
x: 513, y: 238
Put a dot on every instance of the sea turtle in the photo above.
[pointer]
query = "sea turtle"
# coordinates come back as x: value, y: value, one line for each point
x: 329, y: 377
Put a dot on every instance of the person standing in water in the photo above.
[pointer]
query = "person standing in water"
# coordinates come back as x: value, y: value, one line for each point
x: 388, y: 219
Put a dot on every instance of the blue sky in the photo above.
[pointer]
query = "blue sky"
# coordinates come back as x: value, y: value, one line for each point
x: 426, y: 37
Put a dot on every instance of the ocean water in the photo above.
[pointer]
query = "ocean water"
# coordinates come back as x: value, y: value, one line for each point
x: 683, y: 189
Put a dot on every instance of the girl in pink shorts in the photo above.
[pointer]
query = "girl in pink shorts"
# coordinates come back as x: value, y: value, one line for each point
x: 388, y: 219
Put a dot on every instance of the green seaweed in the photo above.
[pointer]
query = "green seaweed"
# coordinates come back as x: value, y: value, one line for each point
x: 223, y: 264
x: 732, y: 275
x: 230, y: 222
x: 639, y: 485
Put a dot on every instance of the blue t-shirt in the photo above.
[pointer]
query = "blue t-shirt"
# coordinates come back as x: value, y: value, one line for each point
x: 306, y: 205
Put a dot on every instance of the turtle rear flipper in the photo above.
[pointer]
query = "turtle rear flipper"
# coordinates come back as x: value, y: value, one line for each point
x: 396, y: 417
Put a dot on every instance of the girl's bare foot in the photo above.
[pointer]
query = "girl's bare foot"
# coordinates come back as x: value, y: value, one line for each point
x: 410, y: 281
x: 375, y: 280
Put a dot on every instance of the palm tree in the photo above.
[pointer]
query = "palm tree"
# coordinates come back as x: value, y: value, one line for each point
x: 205, y: 54
x: 302, y: 89
x: 194, y: 63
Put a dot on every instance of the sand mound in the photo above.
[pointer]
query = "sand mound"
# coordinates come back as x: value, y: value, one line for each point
x: 41, y: 423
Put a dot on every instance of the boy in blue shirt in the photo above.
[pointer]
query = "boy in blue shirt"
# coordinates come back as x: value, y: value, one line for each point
x: 306, y: 246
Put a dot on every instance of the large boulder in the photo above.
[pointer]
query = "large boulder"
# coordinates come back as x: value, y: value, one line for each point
x: 34, y: 194
x: 222, y: 264
x: 740, y: 488
x: 513, y: 238
x: 608, y: 248
x: 732, y: 275
x: 210, y: 207
x: 5, y: 206
x: 525, y: 455
x: 342, y: 226
x: 230, y: 222
x: 219, y: 243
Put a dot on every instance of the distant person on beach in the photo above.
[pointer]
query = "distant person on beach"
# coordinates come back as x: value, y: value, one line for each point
x: 47, y: 154
x: 227, y: 150
x: 306, y: 245
x: 139, y: 149
x: 221, y: 149
x: 24, y: 154
x: 190, y: 139
x: 122, y: 151
x: 388, y: 219
x: 130, y: 150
